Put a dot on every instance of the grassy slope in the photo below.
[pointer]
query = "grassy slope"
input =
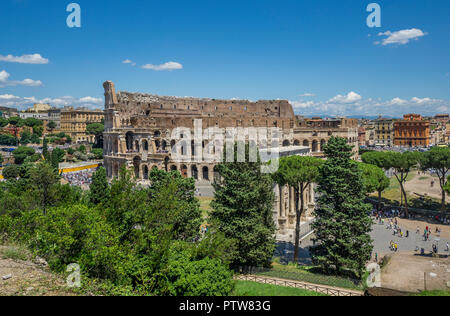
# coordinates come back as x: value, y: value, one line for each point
x: 306, y: 275
x: 434, y: 293
x: 247, y: 288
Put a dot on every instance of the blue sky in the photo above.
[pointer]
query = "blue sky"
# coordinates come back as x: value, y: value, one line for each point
x: 320, y: 55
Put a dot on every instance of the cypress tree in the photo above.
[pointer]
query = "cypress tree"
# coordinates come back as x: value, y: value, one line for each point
x: 343, y: 223
x: 242, y: 210
x: 99, y: 188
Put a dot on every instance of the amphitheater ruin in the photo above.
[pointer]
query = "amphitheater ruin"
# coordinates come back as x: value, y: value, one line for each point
x: 139, y: 131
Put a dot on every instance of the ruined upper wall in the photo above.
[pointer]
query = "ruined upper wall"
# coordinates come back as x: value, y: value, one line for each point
x: 147, y: 110
x: 160, y: 105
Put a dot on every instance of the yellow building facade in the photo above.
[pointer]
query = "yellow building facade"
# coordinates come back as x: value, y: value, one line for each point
x: 75, y: 121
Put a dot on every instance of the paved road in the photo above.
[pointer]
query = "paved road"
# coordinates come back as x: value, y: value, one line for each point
x: 382, y: 237
x: 205, y: 189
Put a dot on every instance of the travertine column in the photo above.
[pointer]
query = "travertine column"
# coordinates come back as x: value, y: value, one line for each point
x: 292, y: 200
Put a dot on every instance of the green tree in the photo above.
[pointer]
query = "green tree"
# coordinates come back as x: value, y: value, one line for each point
x: 38, y: 130
x: 343, y: 222
x: 375, y: 180
x: 187, y: 222
x: 21, y: 153
x: 16, y: 121
x: 82, y: 149
x: 25, y: 139
x: 11, y: 172
x: 99, y: 188
x: 98, y: 153
x: 438, y: 160
x: 97, y: 130
x: 34, y: 139
x: 402, y: 164
x: 242, y: 210
x: 51, y: 126
x: 56, y: 157
x: 45, y: 149
x: 298, y: 172
x: 377, y: 158
x: 3, y: 122
x: 8, y: 140
x: 447, y: 186
x: 43, y: 177
x: 32, y: 122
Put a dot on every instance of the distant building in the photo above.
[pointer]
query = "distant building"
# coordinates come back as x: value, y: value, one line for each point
x: 384, y: 131
x: 316, y: 132
x: 54, y: 115
x: 8, y: 112
x: 412, y: 131
x: 38, y: 111
x: 444, y: 118
x: 75, y: 121
x: 362, y: 136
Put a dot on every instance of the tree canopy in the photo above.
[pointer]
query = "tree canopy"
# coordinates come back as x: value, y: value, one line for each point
x: 242, y: 210
x: 21, y: 153
x: 298, y: 172
x: 343, y: 222
x: 438, y: 160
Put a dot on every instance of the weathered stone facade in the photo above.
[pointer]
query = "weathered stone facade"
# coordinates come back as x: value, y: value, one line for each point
x: 138, y: 134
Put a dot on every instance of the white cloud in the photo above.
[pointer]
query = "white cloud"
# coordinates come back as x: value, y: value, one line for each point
x: 4, y: 76
x: 307, y: 95
x: 25, y: 59
x: 28, y: 82
x: 128, y: 61
x: 401, y: 37
x: 4, y: 81
x: 424, y: 100
x: 23, y: 103
x: 8, y: 97
x: 351, y: 97
x: 171, y: 65
x: 395, y: 107
x: 91, y: 100
x: 398, y: 101
x: 302, y: 104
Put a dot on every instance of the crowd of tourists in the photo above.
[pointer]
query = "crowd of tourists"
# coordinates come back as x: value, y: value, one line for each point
x: 80, y: 178
x: 390, y: 220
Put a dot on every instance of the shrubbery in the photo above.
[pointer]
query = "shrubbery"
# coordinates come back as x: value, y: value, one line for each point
x: 127, y: 239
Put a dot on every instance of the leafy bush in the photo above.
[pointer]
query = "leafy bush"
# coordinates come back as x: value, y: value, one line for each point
x: 190, y: 277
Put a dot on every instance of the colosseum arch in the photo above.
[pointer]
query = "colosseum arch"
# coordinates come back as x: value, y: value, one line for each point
x: 194, y: 172
x: 136, y: 163
x: 205, y: 173
x: 145, y: 145
x: 315, y: 146
x: 306, y: 143
x: 145, y: 172
x: 163, y: 145
x: 136, y: 146
x: 323, y: 142
x: 129, y: 140
x: 286, y: 143
x: 184, y: 171
x: 296, y: 142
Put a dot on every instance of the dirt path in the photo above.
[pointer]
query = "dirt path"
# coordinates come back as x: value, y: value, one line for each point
x: 421, y: 184
x: 411, y: 225
x: 19, y: 278
x: 412, y: 273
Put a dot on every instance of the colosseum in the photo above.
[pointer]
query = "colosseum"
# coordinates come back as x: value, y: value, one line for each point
x: 139, y: 129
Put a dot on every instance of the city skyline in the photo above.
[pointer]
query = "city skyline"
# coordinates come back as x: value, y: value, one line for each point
x: 321, y: 57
